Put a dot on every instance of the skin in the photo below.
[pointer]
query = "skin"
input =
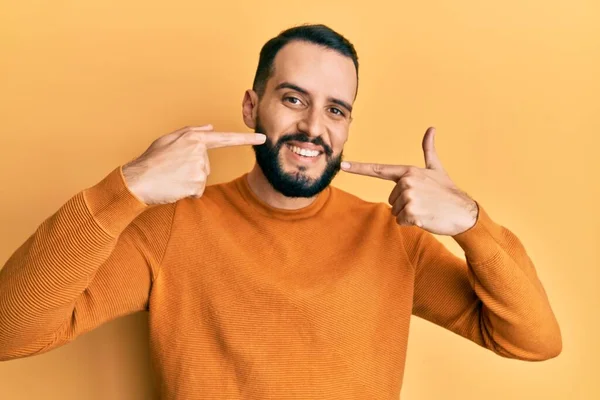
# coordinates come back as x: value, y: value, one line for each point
x: 176, y: 165
x: 425, y: 197
x: 311, y: 91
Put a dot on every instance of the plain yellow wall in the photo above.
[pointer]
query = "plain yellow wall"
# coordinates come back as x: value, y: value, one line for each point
x: 511, y: 86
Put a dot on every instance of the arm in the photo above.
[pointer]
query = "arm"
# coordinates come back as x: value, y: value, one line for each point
x: 96, y: 258
x: 494, y: 298
x: 90, y: 262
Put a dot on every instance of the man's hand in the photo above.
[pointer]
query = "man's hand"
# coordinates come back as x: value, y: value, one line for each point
x: 176, y: 165
x: 425, y: 197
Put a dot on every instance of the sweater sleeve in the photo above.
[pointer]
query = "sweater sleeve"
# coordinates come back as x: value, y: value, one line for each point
x: 494, y: 298
x: 90, y: 262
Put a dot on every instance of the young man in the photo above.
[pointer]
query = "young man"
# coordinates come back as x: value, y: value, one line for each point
x: 276, y: 284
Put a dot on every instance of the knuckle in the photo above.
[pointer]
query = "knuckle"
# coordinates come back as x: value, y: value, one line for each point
x: 200, y: 148
x: 409, y: 210
x: 412, y: 171
x: 405, y: 182
x: 391, y: 197
x: 198, y: 189
x: 195, y: 192
x: 408, y: 195
x: 377, y: 168
x: 401, y: 219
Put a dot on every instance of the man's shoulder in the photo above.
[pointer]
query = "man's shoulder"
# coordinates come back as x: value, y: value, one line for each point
x: 221, y: 187
x: 371, y: 219
x: 215, y: 199
x: 353, y: 199
x: 352, y: 202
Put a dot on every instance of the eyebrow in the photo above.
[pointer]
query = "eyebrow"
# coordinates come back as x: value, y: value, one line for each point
x: 287, y: 85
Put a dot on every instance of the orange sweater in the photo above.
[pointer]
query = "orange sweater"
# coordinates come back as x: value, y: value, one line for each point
x: 250, y: 302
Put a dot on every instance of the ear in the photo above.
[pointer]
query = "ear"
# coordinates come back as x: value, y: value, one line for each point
x: 250, y: 108
x: 347, y: 131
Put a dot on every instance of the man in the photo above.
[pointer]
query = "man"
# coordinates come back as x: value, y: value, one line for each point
x: 276, y: 284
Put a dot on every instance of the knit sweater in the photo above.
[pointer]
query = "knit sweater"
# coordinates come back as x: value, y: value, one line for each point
x: 247, y: 301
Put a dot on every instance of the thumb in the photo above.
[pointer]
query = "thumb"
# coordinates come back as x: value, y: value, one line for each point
x: 207, y: 128
x: 432, y: 161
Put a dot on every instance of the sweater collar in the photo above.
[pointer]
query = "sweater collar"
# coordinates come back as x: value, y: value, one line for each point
x: 262, y: 207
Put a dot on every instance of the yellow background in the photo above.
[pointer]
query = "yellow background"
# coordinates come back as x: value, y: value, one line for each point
x: 511, y: 86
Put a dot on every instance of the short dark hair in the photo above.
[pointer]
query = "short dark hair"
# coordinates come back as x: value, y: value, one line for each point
x: 317, y: 34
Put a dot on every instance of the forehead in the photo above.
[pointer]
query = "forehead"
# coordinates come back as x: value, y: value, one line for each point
x: 321, y: 71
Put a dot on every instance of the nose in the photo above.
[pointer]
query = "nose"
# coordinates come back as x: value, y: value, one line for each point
x: 312, y: 123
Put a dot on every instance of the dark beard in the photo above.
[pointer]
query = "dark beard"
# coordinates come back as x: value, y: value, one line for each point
x: 296, y: 184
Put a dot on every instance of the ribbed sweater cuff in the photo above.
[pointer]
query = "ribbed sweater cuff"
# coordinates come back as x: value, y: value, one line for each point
x: 481, y: 242
x: 112, y: 204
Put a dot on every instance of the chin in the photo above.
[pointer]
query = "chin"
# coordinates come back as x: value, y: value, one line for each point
x: 303, y: 173
x: 312, y: 171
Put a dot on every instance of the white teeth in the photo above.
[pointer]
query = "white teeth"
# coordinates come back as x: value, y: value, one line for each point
x: 304, y: 152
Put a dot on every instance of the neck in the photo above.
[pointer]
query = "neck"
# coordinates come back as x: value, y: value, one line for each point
x: 262, y: 188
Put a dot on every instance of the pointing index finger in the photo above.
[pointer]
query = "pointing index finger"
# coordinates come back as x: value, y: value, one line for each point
x: 215, y: 140
x: 382, y: 171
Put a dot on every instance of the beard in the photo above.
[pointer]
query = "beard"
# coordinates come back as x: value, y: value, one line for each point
x: 294, y: 184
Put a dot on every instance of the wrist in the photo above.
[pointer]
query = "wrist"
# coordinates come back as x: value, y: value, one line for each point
x: 132, y: 172
x: 471, y: 215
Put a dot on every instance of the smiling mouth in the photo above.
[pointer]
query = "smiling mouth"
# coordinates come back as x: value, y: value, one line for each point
x: 304, y: 152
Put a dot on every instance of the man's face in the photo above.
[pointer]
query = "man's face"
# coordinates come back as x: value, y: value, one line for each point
x: 305, y: 112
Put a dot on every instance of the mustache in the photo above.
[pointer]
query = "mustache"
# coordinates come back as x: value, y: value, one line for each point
x: 303, y: 137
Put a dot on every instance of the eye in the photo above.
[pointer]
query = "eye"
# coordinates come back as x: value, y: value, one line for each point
x: 293, y: 100
x: 337, y: 111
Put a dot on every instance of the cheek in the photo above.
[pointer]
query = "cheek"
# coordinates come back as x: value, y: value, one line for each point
x: 338, y: 139
x: 278, y: 119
